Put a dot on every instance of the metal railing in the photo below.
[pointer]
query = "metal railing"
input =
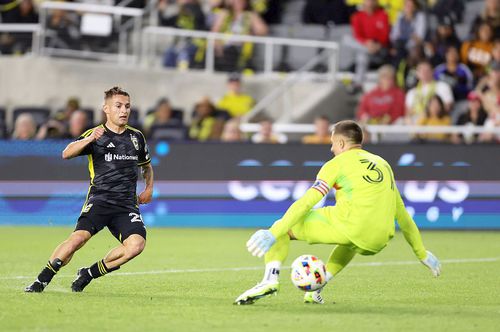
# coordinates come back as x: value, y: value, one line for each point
x: 34, y: 29
x: 124, y: 30
x: 376, y: 130
x: 152, y: 36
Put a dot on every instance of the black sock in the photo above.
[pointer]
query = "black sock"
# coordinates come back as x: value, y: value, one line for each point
x: 99, y: 268
x: 50, y: 271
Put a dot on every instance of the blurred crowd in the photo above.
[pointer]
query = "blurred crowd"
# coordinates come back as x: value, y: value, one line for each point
x: 428, y: 74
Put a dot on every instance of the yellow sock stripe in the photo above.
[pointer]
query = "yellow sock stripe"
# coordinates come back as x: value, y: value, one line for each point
x: 51, y: 268
x: 102, y: 269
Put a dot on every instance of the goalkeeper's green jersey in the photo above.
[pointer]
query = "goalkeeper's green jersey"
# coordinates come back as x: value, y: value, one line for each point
x: 367, y: 202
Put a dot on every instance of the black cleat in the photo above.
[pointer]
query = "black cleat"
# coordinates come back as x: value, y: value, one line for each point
x: 36, y: 287
x: 83, y: 278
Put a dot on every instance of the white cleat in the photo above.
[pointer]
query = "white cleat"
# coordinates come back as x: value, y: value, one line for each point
x: 259, y: 291
x: 313, y: 297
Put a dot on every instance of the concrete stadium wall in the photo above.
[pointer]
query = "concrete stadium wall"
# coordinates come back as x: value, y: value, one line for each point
x: 28, y: 81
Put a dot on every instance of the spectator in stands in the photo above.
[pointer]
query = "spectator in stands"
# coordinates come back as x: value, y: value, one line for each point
x: 488, y: 89
x: 269, y: 10
x: 237, y: 19
x: 492, y: 122
x: 370, y: 40
x: 386, y: 103
x: 418, y: 97
x: 409, y: 30
x: 232, y: 133
x: 391, y: 7
x: 327, y: 11
x: 476, y: 53
x: 456, y: 74
x: 321, y: 132
x: 435, y: 115
x: 184, y: 52
x: 162, y: 116
x: 267, y: 135
x: 495, y: 54
x: 72, y: 105
x: 441, y: 39
x: 206, y: 125
x: 490, y: 15
x: 451, y: 8
x: 474, y: 116
x: 24, y: 127
x: 78, y: 124
x: 406, y: 73
x: 234, y: 101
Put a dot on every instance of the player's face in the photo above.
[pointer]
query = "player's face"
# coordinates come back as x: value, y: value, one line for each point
x: 117, y: 109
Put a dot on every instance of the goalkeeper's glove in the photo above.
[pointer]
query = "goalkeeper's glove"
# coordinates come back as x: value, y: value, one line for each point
x: 432, y: 263
x: 260, y: 242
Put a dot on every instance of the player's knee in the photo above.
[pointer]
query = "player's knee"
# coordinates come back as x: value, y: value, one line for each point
x: 77, y: 240
x: 134, y: 247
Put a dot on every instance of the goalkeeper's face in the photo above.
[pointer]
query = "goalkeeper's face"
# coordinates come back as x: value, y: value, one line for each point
x: 338, y: 144
x: 117, y: 109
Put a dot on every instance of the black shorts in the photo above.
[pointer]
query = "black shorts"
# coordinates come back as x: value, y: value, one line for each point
x: 121, y: 221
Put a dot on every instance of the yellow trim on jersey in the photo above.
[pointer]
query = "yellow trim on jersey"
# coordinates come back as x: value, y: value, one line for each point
x: 87, y: 133
x: 144, y: 162
x: 91, y: 169
x: 86, y: 200
x: 134, y: 129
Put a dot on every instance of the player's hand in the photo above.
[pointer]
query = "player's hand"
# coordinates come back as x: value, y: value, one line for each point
x: 145, y: 197
x: 432, y: 262
x: 96, y: 134
x: 260, y: 242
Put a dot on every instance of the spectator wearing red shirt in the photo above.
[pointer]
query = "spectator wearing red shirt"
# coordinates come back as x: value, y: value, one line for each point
x: 384, y: 104
x: 370, y: 39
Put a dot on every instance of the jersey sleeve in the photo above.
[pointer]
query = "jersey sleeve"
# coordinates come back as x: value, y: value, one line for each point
x: 89, y: 149
x: 409, y: 228
x: 299, y: 209
x: 144, y: 157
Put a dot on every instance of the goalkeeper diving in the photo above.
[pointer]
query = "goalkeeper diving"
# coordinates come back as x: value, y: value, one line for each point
x: 361, y: 222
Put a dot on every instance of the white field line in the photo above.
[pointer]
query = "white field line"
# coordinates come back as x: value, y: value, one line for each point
x: 252, y: 268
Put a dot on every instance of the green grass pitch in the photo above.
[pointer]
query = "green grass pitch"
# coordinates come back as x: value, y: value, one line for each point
x: 187, y: 279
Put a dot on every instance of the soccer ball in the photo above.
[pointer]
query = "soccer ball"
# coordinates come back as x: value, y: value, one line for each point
x: 308, y: 273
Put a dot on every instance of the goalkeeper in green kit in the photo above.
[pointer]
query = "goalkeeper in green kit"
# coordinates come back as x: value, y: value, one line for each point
x: 361, y: 222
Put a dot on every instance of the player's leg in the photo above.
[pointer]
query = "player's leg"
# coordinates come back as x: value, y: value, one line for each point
x: 88, y: 225
x: 129, y: 229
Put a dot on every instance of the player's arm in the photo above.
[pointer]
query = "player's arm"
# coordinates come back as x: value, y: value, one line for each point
x: 74, y: 149
x: 262, y: 240
x: 413, y: 237
x: 147, y: 194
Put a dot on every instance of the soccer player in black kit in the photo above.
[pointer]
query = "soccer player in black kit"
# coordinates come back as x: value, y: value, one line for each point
x: 114, y: 151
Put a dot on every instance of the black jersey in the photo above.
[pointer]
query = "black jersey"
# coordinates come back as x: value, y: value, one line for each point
x: 113, y: 162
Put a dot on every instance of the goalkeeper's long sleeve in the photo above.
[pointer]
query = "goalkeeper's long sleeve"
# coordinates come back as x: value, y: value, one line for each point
x: 409, y: 228
x: 296, y: 212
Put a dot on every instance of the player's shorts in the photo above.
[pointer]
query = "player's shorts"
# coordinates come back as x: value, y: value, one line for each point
x: 319, y: 227
x: 121, y: 221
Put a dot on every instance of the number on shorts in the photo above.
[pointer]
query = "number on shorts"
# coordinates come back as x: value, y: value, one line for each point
x: 136, y: 217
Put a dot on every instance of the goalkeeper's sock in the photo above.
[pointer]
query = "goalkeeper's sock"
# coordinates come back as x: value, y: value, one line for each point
x: 99, y: 268
x: 272, y: 272
x: 49, y: 271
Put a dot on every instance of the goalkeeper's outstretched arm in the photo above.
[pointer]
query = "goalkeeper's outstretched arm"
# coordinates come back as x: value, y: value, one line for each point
x: 413, y: 237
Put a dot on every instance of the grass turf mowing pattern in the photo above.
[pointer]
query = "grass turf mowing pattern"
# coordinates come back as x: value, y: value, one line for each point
x: 367, y: 298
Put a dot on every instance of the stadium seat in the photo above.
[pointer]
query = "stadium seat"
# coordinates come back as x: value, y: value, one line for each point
x: 40, y: 114
x: 168, y: 132
x: 3, y: 125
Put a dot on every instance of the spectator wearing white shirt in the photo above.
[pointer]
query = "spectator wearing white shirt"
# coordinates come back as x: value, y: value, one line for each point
x: 266, y: 134
x: 418, y: 97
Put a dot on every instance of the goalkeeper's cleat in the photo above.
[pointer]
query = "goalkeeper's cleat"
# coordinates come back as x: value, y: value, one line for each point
x: 83, y: 278
x: 259, y: 291
x: 313, y: 297
x: 36, y: 287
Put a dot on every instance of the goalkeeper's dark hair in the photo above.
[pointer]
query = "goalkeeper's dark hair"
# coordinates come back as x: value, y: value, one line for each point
x: 114, y: 91
x: 349, y: 129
